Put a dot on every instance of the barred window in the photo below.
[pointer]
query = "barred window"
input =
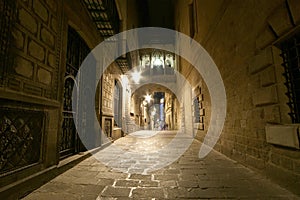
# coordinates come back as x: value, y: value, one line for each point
x: 291, y: 63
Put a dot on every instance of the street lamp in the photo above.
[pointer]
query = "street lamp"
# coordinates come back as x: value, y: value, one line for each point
x: 136, y: 76
x: 148, y: 98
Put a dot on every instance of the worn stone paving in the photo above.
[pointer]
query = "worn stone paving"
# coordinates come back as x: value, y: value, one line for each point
x: 214, y: 177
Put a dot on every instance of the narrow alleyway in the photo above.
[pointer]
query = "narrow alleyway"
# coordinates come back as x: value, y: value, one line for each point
x: 214, y: 177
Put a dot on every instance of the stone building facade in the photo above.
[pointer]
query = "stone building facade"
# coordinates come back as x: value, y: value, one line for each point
x: 43, y: 43
x: 245, y: 38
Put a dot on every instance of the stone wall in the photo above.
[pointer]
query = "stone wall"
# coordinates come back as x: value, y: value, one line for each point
x: 129, y: 119
x: 109, y: 77
x: 107, y: 94
x: 241, y: 37
x: 132, y: 122
x: 203, y: 108
x: 32, y: 85
x: 169, y: 110
x: 36, y: 45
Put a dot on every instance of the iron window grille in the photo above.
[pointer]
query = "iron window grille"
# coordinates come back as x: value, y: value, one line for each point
x: 291, y: 63
x: 77, y: 50
x: 21, y: 136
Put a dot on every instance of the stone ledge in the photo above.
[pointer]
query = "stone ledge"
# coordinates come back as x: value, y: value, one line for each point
x: 261, y: 61
x: 267, y: 77
x: 280, y: 20
x: 25, y: 98
x: 294, y: 6
x: 284, y: 135
x: 265, y: 96
x: 264, y: 38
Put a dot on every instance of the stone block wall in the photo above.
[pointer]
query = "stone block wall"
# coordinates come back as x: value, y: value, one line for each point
x: 34, y: 81
x: 129, y: 125
x: 203, y: 97
x: 111, y: 75
x: 31, y: 85
x: 132, y: 119
x: 107, y: 97
x: 37, y: 47
x: 242, y: 38
x: 171, y: 111
x: 33, y: 77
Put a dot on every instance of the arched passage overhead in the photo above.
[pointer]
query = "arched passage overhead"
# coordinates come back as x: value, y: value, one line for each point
x: 196, y: 100
x: 155, y: 107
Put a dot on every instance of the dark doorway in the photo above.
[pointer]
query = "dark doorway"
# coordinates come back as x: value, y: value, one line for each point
x: 77, y: 50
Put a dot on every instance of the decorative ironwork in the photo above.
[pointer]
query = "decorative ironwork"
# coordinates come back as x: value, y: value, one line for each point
x: 157, y: 62
x: 77, y: 50
x: 21, y: 135
x: 123, y: 64
x: 105, y: 15
x: 7, y: 19
x: 291, y: 63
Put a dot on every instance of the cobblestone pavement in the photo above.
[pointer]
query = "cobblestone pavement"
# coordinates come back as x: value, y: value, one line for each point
x: 214, y: 177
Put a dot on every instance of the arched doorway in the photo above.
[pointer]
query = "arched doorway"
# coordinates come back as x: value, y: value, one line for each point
x: 157, y: 107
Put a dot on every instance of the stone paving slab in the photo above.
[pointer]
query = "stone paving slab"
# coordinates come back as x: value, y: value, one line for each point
x: 214, y: 177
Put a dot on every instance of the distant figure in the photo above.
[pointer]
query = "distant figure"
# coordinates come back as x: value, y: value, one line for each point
x: 162, y: 125
x: 166, y: 126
